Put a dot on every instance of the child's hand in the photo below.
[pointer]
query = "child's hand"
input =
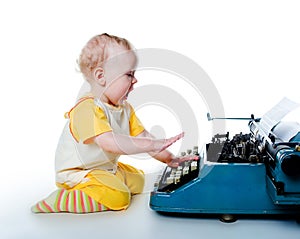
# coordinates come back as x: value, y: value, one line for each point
x: 162, y: 144
x: 178, y: 160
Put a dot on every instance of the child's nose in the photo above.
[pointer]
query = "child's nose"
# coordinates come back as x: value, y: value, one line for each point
x: 134, y: 80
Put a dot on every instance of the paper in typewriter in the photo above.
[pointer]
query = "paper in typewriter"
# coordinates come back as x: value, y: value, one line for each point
x: 276, y: 114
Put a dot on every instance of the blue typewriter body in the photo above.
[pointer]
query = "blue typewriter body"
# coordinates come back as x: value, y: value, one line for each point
x: 250, y: 174
x: 228, y: 188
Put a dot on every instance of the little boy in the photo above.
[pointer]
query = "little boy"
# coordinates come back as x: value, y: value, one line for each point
x: 101, y: 127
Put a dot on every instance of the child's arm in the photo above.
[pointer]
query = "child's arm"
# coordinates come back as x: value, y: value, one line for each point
x: 123, y: 144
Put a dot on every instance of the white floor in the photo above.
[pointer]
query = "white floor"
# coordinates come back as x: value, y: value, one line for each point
x: 138, y: 221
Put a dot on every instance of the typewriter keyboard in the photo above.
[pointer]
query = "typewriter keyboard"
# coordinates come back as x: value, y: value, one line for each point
x: 173, y: 178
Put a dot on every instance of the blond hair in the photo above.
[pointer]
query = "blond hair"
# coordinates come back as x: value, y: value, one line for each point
x: 95, y: 53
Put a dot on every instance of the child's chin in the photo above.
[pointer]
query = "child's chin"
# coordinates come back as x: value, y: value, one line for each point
x: 122, y: 101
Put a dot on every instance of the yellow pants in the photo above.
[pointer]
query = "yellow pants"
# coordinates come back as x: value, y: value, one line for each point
x: 113, y: 190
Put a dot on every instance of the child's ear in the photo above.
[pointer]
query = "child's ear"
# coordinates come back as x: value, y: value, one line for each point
x: 99, y: 76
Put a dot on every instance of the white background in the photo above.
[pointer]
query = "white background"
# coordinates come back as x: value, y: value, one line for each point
x: 250, y: 50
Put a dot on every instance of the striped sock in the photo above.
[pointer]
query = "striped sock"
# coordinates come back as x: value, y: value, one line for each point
x: 63, y: 200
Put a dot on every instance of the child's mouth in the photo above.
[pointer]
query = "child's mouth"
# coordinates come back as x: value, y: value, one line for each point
x: 128, y: 92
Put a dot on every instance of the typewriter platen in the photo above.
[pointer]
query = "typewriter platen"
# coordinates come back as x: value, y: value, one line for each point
x: 256, y: 173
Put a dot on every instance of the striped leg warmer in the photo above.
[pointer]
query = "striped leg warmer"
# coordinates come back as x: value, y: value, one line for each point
x: 74, y: 201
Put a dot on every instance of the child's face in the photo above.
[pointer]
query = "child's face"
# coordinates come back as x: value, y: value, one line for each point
x: 119, y: 74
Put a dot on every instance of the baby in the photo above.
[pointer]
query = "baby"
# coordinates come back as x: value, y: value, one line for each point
x: 100, y: 127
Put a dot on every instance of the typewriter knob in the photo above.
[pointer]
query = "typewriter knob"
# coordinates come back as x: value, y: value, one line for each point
x: 195, y: 150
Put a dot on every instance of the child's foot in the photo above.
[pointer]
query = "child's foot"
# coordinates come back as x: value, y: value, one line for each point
x: 63, y: 200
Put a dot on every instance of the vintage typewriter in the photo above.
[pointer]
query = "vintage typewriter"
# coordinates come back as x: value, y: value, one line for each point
x: 256, y: 173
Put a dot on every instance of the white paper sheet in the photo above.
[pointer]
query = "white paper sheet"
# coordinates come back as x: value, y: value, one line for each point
x: 278, y: 112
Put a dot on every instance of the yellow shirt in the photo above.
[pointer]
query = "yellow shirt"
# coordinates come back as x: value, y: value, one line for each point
x: 76, y: 155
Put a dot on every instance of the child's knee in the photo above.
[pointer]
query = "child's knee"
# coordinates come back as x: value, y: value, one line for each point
x: 138, y: 186
x: 119, y: 200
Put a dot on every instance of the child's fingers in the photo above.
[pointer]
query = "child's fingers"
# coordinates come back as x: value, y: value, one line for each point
x: 189, y: 158
x: 168, y: 142
x: 177, y: 137
x: 172, y: 140
x: 175, y: 162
